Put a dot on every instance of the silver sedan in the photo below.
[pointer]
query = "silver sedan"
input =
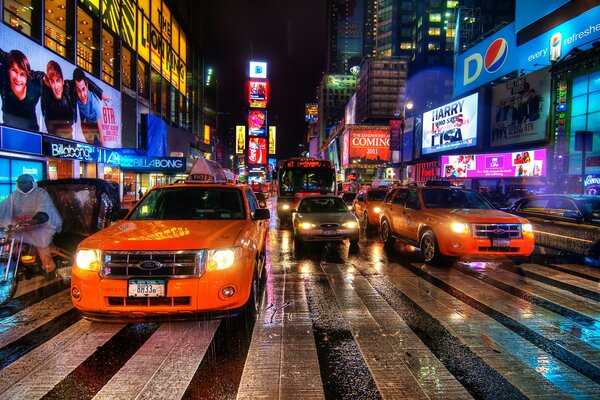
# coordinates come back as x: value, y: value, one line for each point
x: 324, y: 218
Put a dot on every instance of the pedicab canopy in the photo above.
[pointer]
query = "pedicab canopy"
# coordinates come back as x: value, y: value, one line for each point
x: 205, y: 170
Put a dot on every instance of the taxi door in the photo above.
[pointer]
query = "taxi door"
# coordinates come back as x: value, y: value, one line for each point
x: 410, y: 218
x: 397, y: 209
x: 259, y: 228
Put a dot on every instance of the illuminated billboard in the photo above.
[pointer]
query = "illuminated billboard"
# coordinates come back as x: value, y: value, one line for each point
x: 257, y: 91
x: 257, y: 123
x: 258, y: 69
x: 272, y: 139
x: 240, y: 139
x: 257, y: 151
x: 452, y: 126
x: 500, y: 165
x: 367, y: 145
x: 71, y: 105
x: 311, y: 111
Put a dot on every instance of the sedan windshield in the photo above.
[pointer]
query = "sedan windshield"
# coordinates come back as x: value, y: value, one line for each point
x: 190, y: 203
x: 316, y: 205
x: 455, y: 198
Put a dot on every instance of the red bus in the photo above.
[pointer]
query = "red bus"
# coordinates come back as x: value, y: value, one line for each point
x: 299, y: 177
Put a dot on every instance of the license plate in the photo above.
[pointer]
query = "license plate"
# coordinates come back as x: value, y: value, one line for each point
x: 329, y: 232
x: 501, y: 242
x: 146, y: 288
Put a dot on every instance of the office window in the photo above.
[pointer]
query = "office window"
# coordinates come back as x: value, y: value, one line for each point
x: 143, y: 79
x: 405, y: 46
x: 450, y: 32
x: 55, y: 27
x: 435, y: 17
x: 87, y: 46
x: 155, y: 82
x: 19, y: 14
x: 451, y: 3
x: 433, y: 31
x: 433, y: 46
x: 127, y: 64
x: 109, y: 58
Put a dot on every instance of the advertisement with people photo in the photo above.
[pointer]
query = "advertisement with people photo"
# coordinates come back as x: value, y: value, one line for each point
x: 519, y: 109
x: 495, y: 165
x: 41, y: 92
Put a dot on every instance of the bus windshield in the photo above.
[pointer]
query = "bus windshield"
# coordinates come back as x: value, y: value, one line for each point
x: 316, y: 180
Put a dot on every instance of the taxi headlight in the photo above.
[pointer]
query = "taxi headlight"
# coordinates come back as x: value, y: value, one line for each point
x: 219, y: 259
x: 527, y: 228
x: 377, y: 210
x: 285, y: 207
x: 306, y: 225
x: 350, y: 224
x: 88, y: 259
x: 459, y: 227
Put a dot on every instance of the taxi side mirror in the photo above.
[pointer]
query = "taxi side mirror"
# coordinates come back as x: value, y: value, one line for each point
x: 261, y: 213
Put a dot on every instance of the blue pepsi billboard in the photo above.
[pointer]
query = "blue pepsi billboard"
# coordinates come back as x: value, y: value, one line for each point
x: 491, y: 59
x: 529, y: 11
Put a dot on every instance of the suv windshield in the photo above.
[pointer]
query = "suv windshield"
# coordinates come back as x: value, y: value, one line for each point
x: 190, y: 203
x: 454, y: 198
x: 376, y: 195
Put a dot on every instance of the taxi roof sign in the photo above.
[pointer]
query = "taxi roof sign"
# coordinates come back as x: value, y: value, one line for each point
x: 205, y: 170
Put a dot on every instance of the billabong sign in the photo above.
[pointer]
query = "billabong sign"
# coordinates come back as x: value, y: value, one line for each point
x: 159, y: 164
x: 64, y: 149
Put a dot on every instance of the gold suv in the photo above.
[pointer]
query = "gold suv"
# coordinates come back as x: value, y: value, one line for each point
x: 452, y: 222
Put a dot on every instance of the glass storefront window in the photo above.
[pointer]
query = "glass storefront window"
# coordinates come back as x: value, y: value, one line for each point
x: 109, y: 58
x: 165, y: 100
x: 155, y: 81
x: 55, y: 27
x: 127, y: 65
x: 174, y: 106
x: 143, y: 78
x: 86, y: 40
x: 19, y: 14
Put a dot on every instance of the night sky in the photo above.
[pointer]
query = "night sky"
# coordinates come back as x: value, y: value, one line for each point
x: 290, y: 36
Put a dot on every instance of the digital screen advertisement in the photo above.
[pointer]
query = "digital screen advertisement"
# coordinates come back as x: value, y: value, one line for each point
x: 369, y: 144
x: 57, y: 98
x: 257, y: 151
x: 519, y: 109
x: 258, y: 69
x: 501, y: 165
x: 257, y: 123
x: 452, y: 126
x: 258, y: 94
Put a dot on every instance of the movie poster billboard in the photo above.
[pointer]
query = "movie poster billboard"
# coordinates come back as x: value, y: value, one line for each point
x: 499, y: 165
x: 369, y: 145
x: 257, y: 123
x: 257, y: 151
x: 452, y: 126
x: 41, y: 92
x: 257, y: 92
x: 519, y: 109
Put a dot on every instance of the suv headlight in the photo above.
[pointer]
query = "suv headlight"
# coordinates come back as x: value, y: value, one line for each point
x: 459, y: 227
x: 377, y: 210
x: 527, y: 228
x: 88, y: 259
x: 219, y: 259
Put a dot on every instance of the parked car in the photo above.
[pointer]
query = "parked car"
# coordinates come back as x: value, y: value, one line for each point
x: 569, y: 223
x: 348, y: 197
x: 189, y: 247
x: 324, y: 218
x: 367, y: 206
x: 446, y: 221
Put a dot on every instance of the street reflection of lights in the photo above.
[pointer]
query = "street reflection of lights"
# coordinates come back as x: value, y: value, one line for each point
x: 457, y: 317
x: 305, y: 268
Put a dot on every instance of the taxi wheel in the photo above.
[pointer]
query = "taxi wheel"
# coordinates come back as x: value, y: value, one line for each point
x: 253, y: 304
x: 366, y: 222
x: 430, y: 249
x: 386, y: 234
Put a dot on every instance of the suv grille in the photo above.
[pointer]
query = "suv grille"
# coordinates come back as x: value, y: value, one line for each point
x: 155, y: 264
x: 508, y: 231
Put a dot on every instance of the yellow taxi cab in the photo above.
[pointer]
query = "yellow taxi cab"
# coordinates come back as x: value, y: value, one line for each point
x: 192, y: 247
x: 367, y: 206
x: 445, y: 221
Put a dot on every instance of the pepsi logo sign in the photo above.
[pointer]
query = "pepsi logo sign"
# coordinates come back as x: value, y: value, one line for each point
x: 495, y: 55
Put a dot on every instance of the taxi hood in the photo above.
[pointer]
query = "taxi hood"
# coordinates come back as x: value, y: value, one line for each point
x: 165, y: 235
x: 476, y: 215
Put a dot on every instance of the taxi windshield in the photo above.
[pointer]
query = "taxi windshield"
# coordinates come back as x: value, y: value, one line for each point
x: 376, y: 195
x: 190, y: 203
x: 454, y: 198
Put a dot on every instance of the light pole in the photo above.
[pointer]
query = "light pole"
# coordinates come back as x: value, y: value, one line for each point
x: 408, y: 105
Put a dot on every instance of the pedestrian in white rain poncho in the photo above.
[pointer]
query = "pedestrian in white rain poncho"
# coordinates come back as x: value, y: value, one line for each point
x: 32, y: 205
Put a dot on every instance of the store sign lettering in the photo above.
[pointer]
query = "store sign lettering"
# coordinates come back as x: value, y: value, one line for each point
x: 69, y: 151
x: 370, y: 142
x: 161, y: 47
x: 157, y: 164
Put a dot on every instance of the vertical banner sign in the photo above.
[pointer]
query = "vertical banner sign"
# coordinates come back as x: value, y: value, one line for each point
x: 395, y: 134
x: 272, y: 139
x: 240, y: 139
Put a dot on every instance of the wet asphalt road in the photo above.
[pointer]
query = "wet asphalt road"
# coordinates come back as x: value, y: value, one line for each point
x: 336, y: 323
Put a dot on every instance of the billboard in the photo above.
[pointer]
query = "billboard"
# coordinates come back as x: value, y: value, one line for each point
x: 519, y: 109
x: 52, y: 96
x: 396, y: 134
x: 257, y: 123
x: 451, y: 126
x: 408, y: 139
x: 272, y: 139
x: 491, y: 59
x: 501, y: 165
x: 258, y: 93
x: 258, y: 69
x: 240, y: 139
x: 529, y: 11
x: 369, y: 144
x: 311, y: 112
x: 257, y: 151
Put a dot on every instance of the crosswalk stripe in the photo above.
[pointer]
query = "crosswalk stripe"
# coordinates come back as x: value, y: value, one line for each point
x: 163, y: 367
x: 282, y: 360
x: 386, y: 342
x: 36, y: 373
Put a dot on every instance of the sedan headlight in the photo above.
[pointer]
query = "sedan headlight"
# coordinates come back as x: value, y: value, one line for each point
x: 88, y: 259
x: 377, y: 210
x: 219, y: 259
x: 285, y: 207
x: 306, y: 225
x: 459, y: 227
x: 350, y: 224
x: 527, y: 228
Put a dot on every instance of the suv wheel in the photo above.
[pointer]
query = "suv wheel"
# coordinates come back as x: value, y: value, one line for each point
x: 429, y: 248
x: 386, y: 234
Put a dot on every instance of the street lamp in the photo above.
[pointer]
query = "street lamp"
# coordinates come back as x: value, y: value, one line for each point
x: 408, y: 105
x: 232, y: 165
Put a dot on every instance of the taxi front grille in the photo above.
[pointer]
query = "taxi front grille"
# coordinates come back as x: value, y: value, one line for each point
x: 149, y: 301
x: 498, y: 249
x: 499, y: 231
x: 153, y: 264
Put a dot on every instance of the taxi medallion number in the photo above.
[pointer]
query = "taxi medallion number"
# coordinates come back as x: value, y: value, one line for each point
x: 146, y: 288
